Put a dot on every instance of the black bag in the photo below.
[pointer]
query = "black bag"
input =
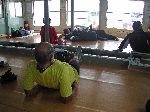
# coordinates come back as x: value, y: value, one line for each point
x: 8, y: 77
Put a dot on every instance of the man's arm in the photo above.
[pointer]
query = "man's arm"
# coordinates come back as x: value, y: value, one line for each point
x: 124, y: 43
x: 68, y: 99
x: 68, y: 90
x: 27, y: 82
x: 33, y: 91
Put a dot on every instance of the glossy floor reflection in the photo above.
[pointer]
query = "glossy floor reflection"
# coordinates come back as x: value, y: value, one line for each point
x: 101, y: 89
x: 103, y: 45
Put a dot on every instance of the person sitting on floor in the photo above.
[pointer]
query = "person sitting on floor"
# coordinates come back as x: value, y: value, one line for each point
x: 24, y: 32
x: 26, y: 29
x: 51, y: 73
x: 138, y: 39
x: 52, y: 33
x: 26, y: 26
x: 61, y: 40
x: 67, y: 33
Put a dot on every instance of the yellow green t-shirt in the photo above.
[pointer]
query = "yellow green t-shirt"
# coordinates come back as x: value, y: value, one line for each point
x: 59, y: 75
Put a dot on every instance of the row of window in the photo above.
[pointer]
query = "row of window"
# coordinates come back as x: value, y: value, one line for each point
x: 123, y: 15
x: 86, y: 13
x: 0, y: 9
x: 15, y: 9
x: 54, y: 12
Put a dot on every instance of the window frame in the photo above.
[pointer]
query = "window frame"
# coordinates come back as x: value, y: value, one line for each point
x: 87, y: 19
x: 1, y: 12
x: 123, y: 19
x: 15, y: 15
x: 1, y: 8
x: 50, y: 11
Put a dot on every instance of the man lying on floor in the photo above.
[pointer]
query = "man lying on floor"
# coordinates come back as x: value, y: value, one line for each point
x: 51, y: 73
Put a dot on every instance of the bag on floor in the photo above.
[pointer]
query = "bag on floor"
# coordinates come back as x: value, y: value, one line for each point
x: 8, y: 77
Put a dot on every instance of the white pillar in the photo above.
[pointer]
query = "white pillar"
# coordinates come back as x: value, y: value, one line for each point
x: 146, y: 16
x: 63, y: 17
x: 27, y: 12
x: 46, y: 20
x: 102, y: 15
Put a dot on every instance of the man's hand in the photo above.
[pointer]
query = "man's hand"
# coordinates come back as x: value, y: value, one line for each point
x: 34, y: 91
x: 68, y: 99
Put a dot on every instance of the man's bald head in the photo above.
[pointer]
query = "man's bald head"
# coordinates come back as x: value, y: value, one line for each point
x: 44, y: 47
x: 43, y: 52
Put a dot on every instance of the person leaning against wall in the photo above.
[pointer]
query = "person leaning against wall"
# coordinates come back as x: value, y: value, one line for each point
x: 52, y: 33
x: 138, y: 39
x: 48, y: 72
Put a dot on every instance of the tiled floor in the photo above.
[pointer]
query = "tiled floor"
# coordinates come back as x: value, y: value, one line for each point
x: 101, y: 89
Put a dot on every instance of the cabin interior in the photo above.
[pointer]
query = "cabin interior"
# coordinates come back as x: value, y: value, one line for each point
x: 102, y: 88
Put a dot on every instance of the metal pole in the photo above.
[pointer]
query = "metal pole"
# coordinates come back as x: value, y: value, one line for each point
x: 72, y: 15
x: 46, y: 18
x: 99, y: 15
x: 6, y: 16
x: 102, y: 15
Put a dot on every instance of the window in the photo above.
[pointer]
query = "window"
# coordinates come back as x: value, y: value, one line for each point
x: 38, y: 13
x: 85, y: 13
x: 0, y: 9
x: 54, y: 12
x: 123, y: 15
x: 18, y: 7
x: 15, y: 9
x: 12, y: 9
